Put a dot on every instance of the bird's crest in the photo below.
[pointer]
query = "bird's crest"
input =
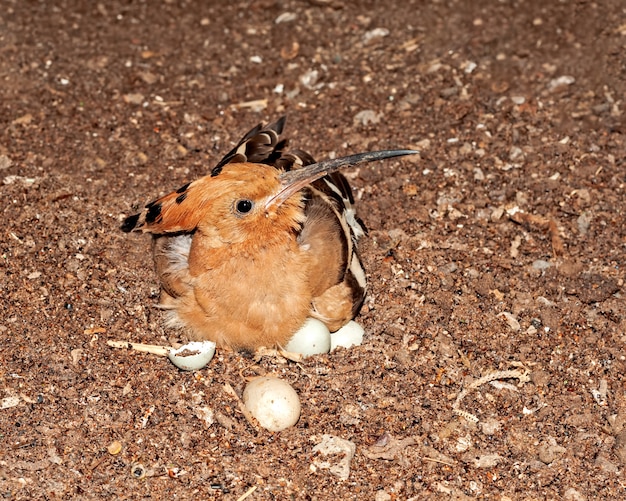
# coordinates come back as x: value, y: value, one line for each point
x: 262, y: 145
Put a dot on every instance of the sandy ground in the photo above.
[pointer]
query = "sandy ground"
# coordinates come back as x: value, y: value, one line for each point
x: 493, y: 362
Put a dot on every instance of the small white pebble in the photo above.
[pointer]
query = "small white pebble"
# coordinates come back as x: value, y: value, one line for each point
x: 309, y: 79
x: 487, y: 460
x: 561, y: 81
x: 541, y: 265
x: 286, y: 17
x: 368, y: 36
x: 367, y: 117
x: 514, y: 325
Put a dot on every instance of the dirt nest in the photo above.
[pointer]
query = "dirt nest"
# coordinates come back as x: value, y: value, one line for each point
x: 494, y: 356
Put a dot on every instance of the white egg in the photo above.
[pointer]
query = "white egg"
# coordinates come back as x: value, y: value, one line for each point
x: 273, y: 402
x: 349, y: 335
x: 311, y: 339
x: 192, y: 356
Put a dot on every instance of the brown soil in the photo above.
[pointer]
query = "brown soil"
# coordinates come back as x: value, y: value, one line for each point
x: 500, y: 248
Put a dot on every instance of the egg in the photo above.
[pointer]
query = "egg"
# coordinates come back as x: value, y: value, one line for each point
x: 349, y: 335
x: 311, y: 339
x: 192, y: 356
x: 273, y: 402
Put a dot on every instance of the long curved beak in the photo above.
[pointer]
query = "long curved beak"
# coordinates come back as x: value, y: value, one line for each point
x: 294, y: 180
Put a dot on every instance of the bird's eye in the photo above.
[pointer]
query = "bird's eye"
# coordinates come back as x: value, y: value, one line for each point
x: 244, y: 206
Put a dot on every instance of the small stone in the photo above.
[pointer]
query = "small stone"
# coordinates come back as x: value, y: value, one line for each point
x: 465, y: 149
x: 620, y: 446
x: 560, y: 82
x: 23, y: 120
x: 382, y: 496
x: 549, y: 452
x: 490, y: 426
x: 572, y: 494
x: 514, y: 325
x: 468, y: 66
x: 375, y: 33
x: 5, y: 162
x: 541, y: 265
x: 497, y: 213
x: 448, y: 92
x: 463, y: 443
x: 366, y: 117
x: 583, y: 222
x: 600, y: 394
x: 148, y: 77
x: 135, y: 98
x: 487, y: 460
x: 342, y: 451
x: 605, y: 465
x: 206, y: 415
x: 540, y: 377
x: 8, y: 402
x: 76, y: 355
x: 114, y: 448
x: 286, y: 17
x: 310, y: 78
x: 515, y: 153
x: 53, y: 456
x: 25, y: 181
x: 350, y: 415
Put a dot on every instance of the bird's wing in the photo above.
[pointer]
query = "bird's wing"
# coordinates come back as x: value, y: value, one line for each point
x: 330, y: 232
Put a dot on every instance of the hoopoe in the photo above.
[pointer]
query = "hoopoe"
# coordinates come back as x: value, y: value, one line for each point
x: 245, y: 254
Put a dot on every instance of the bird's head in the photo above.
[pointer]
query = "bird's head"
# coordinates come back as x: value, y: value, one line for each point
x: 243, y: 202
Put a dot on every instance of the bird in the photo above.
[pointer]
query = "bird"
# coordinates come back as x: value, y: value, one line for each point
x: 268, y: 238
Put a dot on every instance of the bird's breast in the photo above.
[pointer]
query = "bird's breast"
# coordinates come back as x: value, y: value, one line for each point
x: 246, y: 295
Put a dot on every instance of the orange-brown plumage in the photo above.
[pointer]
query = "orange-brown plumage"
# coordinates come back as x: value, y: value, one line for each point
x: 247, y: 253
